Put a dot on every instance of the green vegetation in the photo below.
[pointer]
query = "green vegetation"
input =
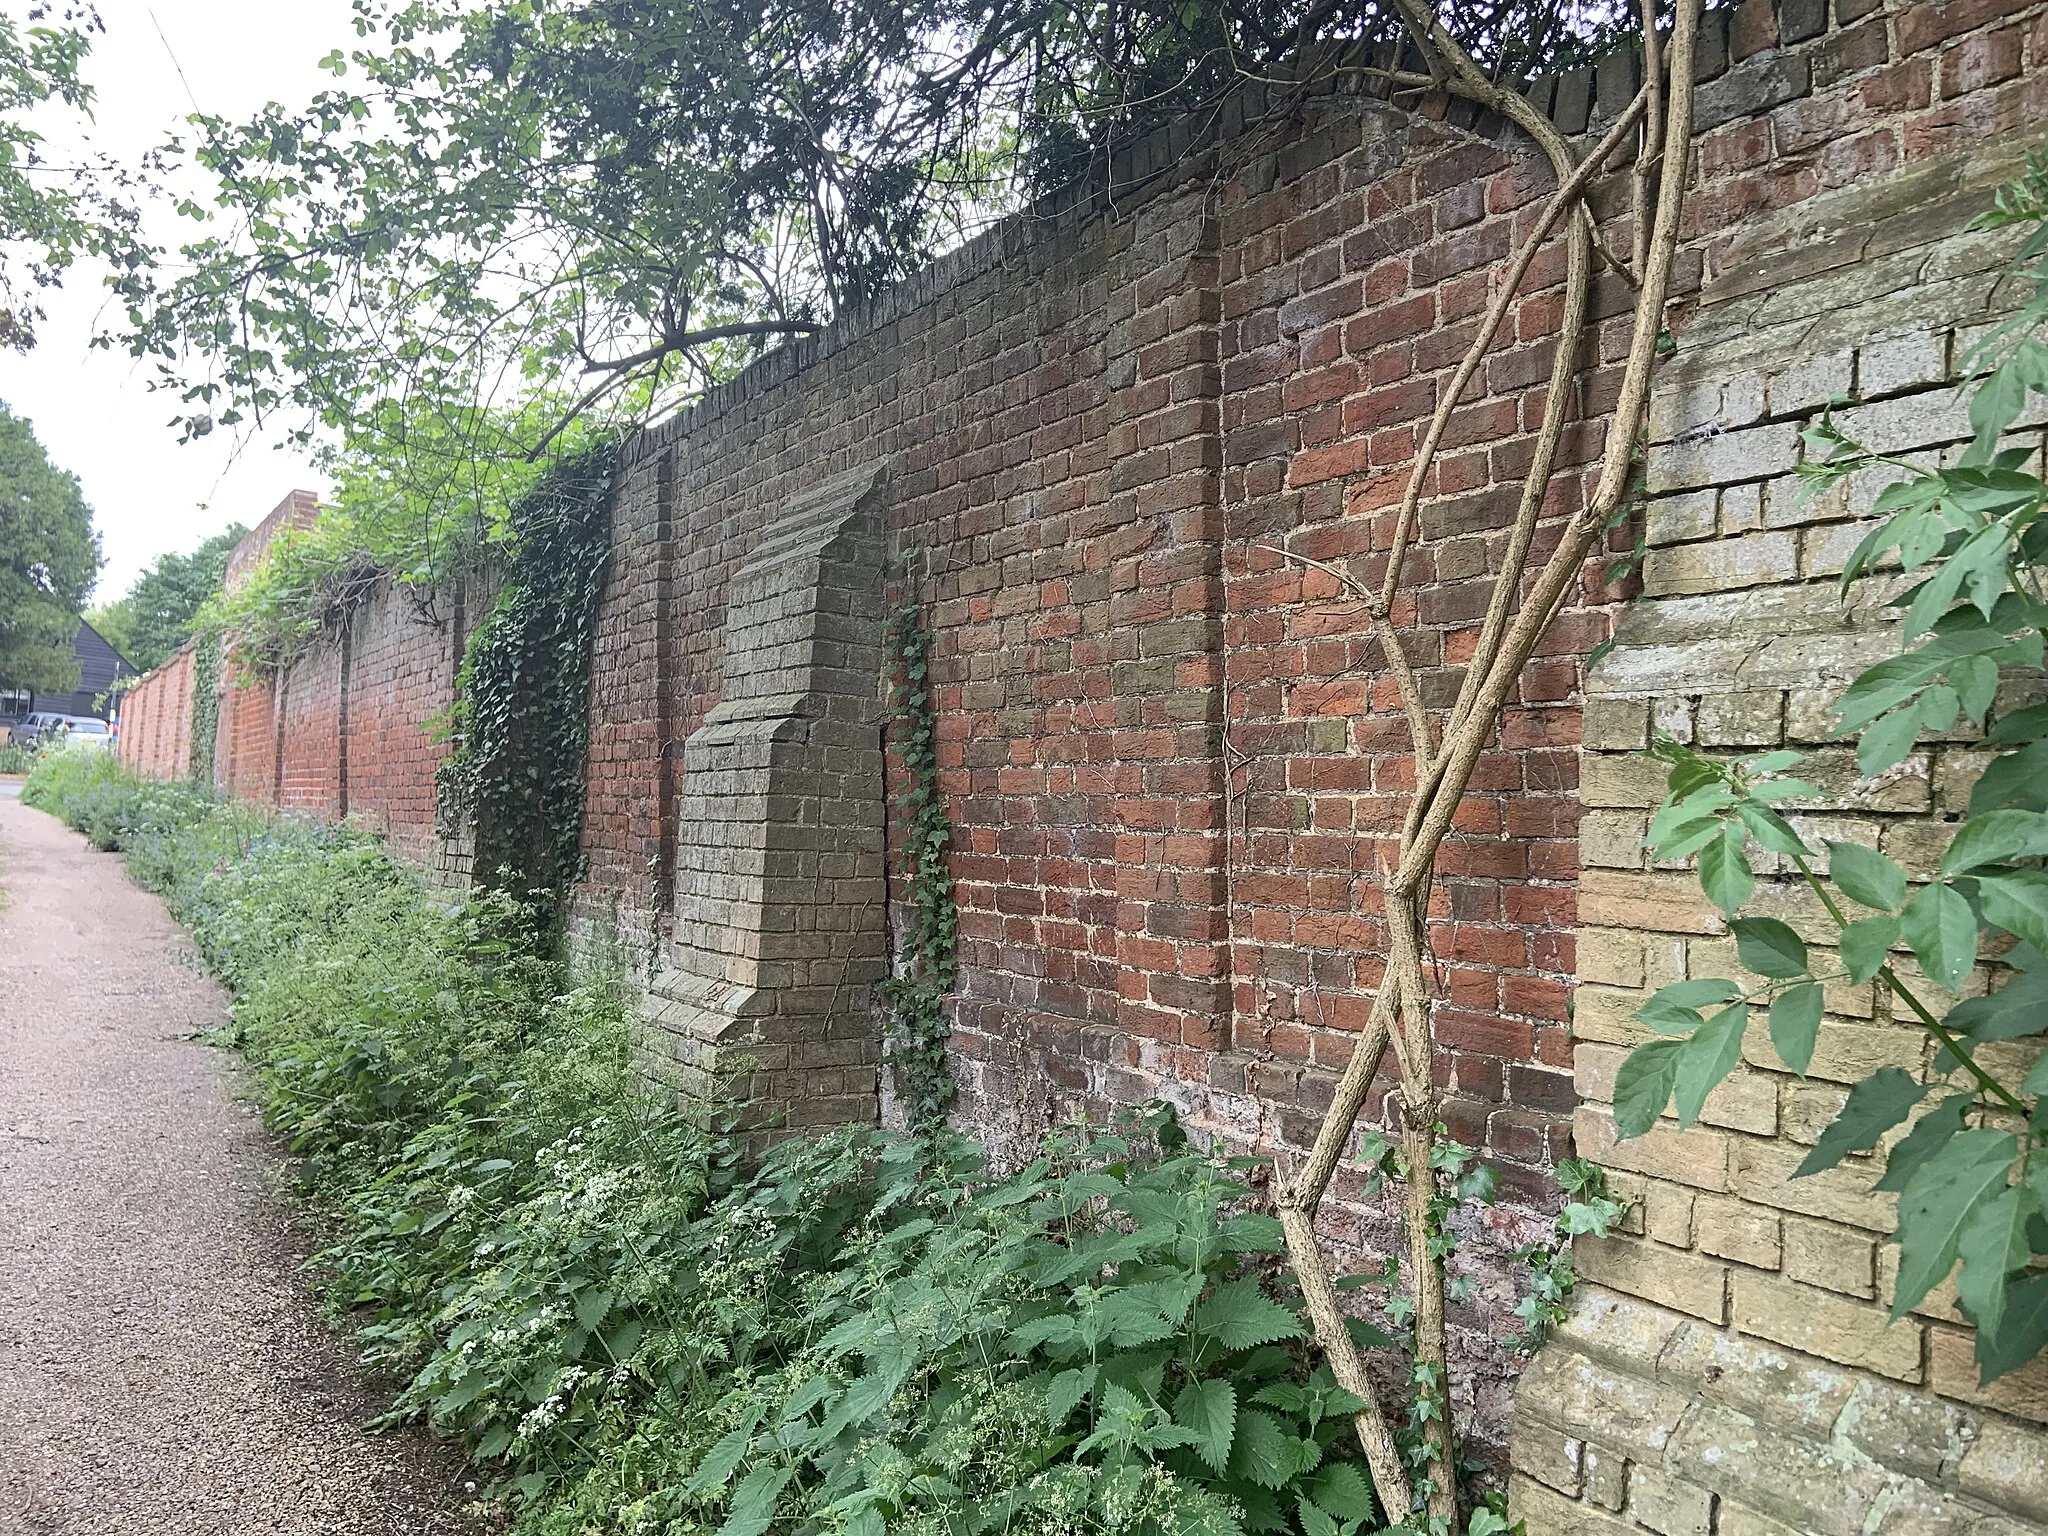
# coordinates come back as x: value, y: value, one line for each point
x: 639, y: 1323
x: 927, y: 963
x: 523, y: 716
x: 157, y: 614
x: 1971, y: 541
x: 49, y: 556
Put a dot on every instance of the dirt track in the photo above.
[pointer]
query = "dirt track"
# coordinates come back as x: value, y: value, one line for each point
x: 162, y: 1372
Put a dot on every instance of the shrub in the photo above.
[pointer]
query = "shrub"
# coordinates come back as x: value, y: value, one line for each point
x: 641, y: 1323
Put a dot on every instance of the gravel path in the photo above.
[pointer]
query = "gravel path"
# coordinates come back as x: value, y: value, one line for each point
x: 161, y: 1370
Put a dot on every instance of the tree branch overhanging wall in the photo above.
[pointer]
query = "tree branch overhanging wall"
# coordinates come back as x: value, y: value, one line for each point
x: 1420, y: 1490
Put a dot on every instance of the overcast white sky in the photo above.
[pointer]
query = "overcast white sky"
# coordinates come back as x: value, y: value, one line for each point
x: 93, y: 410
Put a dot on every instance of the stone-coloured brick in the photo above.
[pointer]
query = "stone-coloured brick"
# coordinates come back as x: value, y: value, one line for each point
x: 1819, y: 1323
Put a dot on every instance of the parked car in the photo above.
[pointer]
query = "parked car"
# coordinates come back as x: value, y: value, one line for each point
x: 66, y: 730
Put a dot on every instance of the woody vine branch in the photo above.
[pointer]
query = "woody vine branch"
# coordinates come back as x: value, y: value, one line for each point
x: 1422, y: 1492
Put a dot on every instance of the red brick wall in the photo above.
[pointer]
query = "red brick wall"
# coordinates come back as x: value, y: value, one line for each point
x: 156, y: 720
x: 1173, y: 758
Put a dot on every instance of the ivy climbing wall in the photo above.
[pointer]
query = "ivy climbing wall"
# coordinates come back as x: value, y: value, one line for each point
x: 1168, y: 755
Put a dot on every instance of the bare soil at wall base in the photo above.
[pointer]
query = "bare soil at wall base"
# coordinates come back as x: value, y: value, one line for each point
x: 162, y: 1369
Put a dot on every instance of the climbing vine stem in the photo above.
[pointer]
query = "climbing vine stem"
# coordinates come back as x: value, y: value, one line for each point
x: 927, y: 949
x: 522, y: 717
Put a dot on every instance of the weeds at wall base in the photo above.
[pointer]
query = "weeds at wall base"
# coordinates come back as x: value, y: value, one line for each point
x: 637, y: 1325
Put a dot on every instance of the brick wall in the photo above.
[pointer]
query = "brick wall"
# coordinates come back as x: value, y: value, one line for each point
x: 1744, y: 1308
x: 1172, y: 757
x: 156, y: 720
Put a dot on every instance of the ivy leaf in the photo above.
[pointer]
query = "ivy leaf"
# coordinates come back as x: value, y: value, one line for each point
x: 1706, y: 1058
x: 1992, y: 1246
x: 1867, y: 945
x: 1942, y: 930
x: 1930, y: 1133
x: 1881, y: 1101
x: 1795, y: 1025
x: 1725, y: 874
x: 2017, y: 902
x: 1995, y: 837
x: 1209, y: 1410
x: 1940, y: 1200
x: 1642, y: 1087
x: 1866, y: 876
x: 1769, y: 947
x: 1237, y: 1316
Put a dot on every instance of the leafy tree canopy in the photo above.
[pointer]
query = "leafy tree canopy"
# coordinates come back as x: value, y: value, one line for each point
x: 607, y: 204
x: 156, y: 616
x: 50, y: 215
x: 49, y: 556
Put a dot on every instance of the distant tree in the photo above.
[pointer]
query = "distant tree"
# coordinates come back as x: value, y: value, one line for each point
x: 49, y: 556
x: 155, y: 617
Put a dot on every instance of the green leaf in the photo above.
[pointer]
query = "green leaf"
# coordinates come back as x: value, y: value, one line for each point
x: 1697, y: 993
x: 1994, y: 838
x: 721, y: 1461
x: 1237, y: 1316
x: 1995, y: 406
x: 1992, y: 1246
x: 753, y: 1502
x: 1795, y: 1025
x: 2022, y: 1332
x: 1769, y: 947
x: 1940, y: 1200
x: 1976, y: 684
x: 1265, y: 1452
x: 1344, y: 1492
x: 1930, y: 1133
x: 1771, y: 830
x: 1942, y: 930
x: 1881, y: 1101
x: 1867, y: 946
x: 591, y: 1308
x: 2018, y: 903
x: 1063, y: 1395
x: 1887, y: 743
x: 1725, y: 874
x: 1642, y: 1086
x: 1209, y: 1409
x: 2014, y: 1011
x: 1866, y: 876
x: 1705, y: 1059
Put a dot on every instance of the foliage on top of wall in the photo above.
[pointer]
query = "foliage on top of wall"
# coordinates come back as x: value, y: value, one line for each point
x: 523, y: 710
x: 422, y: 497
x: 926, y: 955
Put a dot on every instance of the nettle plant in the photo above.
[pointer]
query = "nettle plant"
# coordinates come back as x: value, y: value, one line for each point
x: 1971, y: 1174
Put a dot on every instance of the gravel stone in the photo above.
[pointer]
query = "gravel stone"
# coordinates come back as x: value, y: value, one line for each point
x: 162, y: 1369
